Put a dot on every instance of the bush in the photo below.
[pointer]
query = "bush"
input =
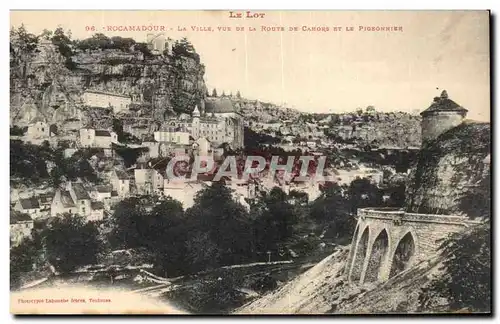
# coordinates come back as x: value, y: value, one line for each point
x: 466, y: 281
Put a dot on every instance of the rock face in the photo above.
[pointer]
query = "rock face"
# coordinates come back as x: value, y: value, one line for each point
x: 448, y: 169
x: 40, y: 77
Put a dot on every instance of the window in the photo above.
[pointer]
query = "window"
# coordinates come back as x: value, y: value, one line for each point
x: 82, y: 202
x: 43, y: 129
x: 83, y: 210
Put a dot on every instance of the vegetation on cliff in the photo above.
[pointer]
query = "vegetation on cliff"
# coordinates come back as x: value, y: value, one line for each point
x: 449, y: 170
x: 172, y: 82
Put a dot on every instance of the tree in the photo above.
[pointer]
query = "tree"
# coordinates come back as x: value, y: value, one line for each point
x: 22, y: 259
x: 225, y: 223
x: 165, y: 234
x: 397, y: 196
x: 362, y: 193
x: 214, y: 93
x: 70, y: 241
x: 26, y: 42
x: 238, y: 94
x: 46, y: 34
x: 184, y: 48
x: 63, y: 43
x: 223, y: 94
x: 274, y: 220
x: 127, y: 223
x: 332, y: 208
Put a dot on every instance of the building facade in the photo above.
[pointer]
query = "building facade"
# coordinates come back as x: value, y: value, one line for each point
x: 97, y: 138
x: 101, y: 99
x: 37, y: 129
x: 218, y: 120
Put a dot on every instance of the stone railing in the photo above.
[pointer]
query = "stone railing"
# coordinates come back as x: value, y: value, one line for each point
x: 399, y: 216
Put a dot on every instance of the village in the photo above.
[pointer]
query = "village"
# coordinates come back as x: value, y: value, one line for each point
x: 211, y: 128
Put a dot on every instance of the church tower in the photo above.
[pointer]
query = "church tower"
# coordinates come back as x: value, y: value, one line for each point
x: 443, y: 114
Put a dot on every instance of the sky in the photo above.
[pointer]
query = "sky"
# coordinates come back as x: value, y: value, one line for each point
x: 319, y: 71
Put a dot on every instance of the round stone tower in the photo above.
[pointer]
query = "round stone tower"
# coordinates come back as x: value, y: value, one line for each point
x: 442, y: 115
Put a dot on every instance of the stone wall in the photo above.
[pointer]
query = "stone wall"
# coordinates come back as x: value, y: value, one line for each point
x: 439, y: 122
x: 373, y: 261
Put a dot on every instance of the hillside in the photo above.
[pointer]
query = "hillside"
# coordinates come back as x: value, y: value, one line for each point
x: 50, y: 72
x: 323, y: 289
x: 49, y: 75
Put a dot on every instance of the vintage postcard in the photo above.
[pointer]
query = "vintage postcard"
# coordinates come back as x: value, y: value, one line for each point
x: 250, y: 162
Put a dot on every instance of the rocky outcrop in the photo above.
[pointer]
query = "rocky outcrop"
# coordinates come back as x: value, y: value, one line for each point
x: 41, y: 77
x: 449, y: 170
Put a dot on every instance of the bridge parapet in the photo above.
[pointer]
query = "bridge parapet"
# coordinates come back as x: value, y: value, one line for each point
x: 388, y: 241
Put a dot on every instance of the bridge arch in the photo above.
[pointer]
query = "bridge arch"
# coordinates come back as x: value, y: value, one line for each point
x: 359, y: 255
x: 404, y: 254
x: 353, y: 247
x: 378, y: 257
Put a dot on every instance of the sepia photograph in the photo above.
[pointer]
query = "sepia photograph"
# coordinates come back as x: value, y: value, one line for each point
x: 250, y: 162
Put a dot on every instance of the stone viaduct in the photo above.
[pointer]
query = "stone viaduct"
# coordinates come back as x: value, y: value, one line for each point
x: 388, y: 241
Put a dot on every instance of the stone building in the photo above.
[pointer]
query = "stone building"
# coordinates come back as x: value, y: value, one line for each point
x: 158, y: 44
x: 102, y: 99
x: 21, y: 225
x: 97, y: 138
x: 37, y: 129
x: 442, y: 115
x: 172, y: 134
x: 73, y: 199
x: 451, y: 165
x: 218, y: 120
x: 120, y: 180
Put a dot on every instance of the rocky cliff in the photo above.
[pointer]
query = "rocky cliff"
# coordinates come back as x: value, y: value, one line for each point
x: 44, y: 84
x: 450, y: 173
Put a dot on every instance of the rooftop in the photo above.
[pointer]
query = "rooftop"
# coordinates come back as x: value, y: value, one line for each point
x: 16, y: 217
x: 95, y: 205
x: 122, y: 175
x: 443, y: 103
x: 29, y: 203
x: 102, y: 132
x: 80, y: 192
x: 66, y: 199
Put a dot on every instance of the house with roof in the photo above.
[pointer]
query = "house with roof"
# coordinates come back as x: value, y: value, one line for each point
x: 442, y: 114
x: 73, y: 199
x: 98, y: 211
x: 183, y: 190
x: 120, y: 180
x: 98, y: 138
x: 172, y: 134
x: 101, y: 192
x: 217, y: 120
x: 153, y: 146
x: 37, y: 129
x: 148, y: 181
x: 21, y: 225
x: 45, y: 201
x: 30, y: 206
